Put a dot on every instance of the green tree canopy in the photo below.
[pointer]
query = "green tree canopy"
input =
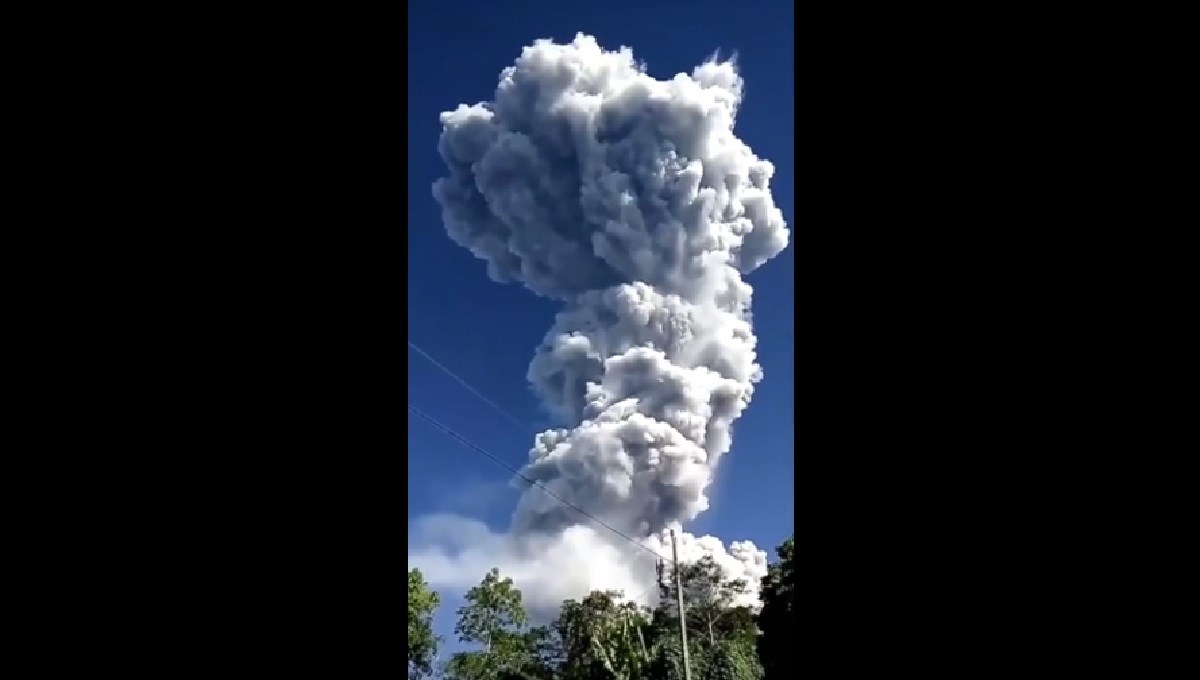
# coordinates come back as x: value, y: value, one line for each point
x: 721, y: 636
x: 778, y: 617
x: 422, y: 643
x: 602, y: 637
x: 494, y: 618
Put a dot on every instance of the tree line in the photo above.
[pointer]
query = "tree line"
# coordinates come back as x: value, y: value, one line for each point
x: 603, y: 637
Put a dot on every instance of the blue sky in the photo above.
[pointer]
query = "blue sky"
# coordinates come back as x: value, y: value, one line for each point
x: 487, y: 332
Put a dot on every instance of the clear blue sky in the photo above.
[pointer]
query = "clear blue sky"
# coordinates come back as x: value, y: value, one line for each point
x: 487, y: 332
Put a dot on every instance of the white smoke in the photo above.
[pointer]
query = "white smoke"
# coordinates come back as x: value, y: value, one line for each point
x: 631, y: 200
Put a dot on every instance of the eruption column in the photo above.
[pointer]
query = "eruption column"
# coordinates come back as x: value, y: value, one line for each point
x: 631, y: 201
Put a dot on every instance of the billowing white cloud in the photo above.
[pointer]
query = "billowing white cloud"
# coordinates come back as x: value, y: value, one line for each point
x: 630, y: 200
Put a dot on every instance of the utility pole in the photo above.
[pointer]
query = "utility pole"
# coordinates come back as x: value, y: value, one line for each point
x: 687, y: 665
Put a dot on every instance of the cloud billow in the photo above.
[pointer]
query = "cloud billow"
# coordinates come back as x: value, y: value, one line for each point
x: 631, y: 201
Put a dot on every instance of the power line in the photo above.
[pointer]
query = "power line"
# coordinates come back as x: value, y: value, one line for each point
x: 478, y: 449
x: 513, y: 419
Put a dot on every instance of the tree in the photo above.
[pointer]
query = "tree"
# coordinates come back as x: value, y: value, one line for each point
x: 601, y: 637
x: 721, y: 636
x: 543, y: 657
x: 729, y: 660
x: 707, y: 594
x: 494, y: 618
x: 778, y: 618
x: 422, y: 643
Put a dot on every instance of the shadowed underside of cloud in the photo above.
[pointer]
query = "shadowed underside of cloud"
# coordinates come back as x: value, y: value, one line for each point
x: 631, y: 201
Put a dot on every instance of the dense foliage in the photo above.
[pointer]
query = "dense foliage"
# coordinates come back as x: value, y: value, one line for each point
x: 778, y: 616
x: 603, y: 637
x: 422, y: 643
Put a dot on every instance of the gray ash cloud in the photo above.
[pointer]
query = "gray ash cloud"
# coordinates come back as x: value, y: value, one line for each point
x: 630, y: 200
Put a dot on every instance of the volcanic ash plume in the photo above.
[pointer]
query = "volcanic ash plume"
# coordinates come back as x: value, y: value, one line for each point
x: 631, y: 201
